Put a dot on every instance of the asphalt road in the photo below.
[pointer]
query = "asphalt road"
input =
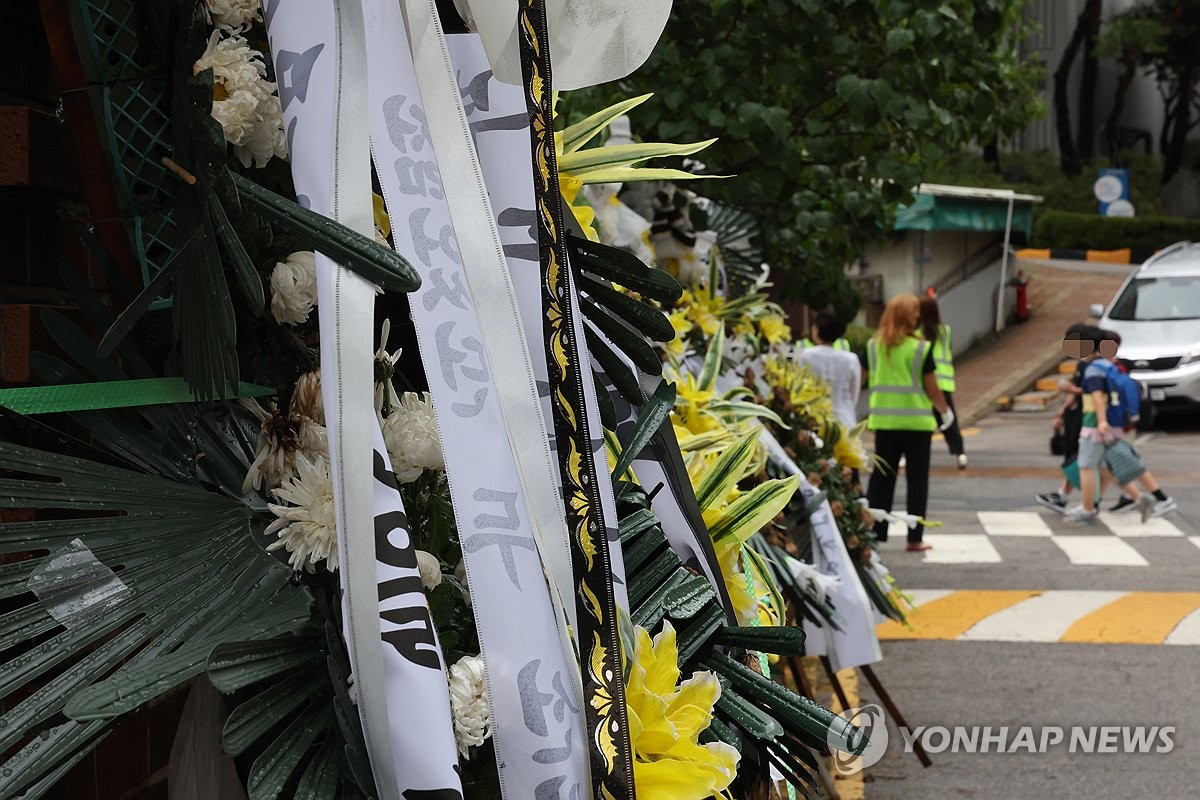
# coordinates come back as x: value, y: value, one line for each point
x: 969, y: 660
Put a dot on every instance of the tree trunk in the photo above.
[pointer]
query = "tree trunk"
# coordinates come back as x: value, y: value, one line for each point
x: 1129, y: 62
x: 991, y: 152
x: 1068, y: 154
x: 1173, y: 153
x: 1085, y: 131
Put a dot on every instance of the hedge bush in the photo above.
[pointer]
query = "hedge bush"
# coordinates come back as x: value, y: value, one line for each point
x: 1093, y: 232
x: 858, y: 336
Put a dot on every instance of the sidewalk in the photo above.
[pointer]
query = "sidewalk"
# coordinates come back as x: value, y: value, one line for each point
x: 1059, y: 294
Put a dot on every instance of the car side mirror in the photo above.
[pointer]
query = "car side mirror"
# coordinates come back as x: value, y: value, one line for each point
x: 1095, y: 311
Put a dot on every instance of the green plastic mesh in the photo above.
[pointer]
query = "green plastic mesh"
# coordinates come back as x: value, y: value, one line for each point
x: 111, y: 29
x: 131, y: 100
x: 134, y: 115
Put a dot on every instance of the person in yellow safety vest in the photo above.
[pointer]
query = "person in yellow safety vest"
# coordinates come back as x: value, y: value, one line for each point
x: 903, y: 394
x: 840, y: 343
x: 937, y: 333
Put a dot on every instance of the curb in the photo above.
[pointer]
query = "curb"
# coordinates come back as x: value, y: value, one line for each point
x: 1125, y: 255
x: 1011, y: 385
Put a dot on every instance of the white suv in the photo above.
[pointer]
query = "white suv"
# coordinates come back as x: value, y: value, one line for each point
x: 1157, y: 314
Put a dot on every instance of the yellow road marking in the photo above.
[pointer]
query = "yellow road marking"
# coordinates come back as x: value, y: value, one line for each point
x: 1136, y: 618
x: 851, y: 788
x: 953, y: 615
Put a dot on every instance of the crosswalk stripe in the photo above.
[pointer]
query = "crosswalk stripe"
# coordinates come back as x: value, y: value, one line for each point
x: 1194, y: 540
x: 1130, y: 525
x: 961, y: 548
x: 1056, y: 615
x: 1043, y: 618
x: 951, y: 616
x: 920, y: 597
x: 1013, y: 523
x: 1136, y: 618
x: 1099, y: 550
x: 1187, y: 631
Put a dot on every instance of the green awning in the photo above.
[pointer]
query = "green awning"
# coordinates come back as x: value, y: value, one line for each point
x: 940, y: 213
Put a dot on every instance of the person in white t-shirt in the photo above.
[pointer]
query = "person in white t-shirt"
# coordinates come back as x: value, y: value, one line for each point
x: 841, y: 370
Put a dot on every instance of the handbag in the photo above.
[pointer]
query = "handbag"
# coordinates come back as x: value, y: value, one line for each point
x: 1058, y: 444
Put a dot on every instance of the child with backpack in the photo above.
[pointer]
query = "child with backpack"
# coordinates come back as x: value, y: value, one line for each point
x: 1111, y: 401
x: 1067, y: 423
x: 1121, y: 460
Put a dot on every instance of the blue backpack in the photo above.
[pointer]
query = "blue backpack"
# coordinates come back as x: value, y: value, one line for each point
x: 1124, y: 398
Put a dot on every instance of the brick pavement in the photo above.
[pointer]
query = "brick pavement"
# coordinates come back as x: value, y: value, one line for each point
x: 1058, y: 296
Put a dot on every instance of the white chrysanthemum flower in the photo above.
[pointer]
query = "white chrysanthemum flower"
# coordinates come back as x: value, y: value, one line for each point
x: 234, y: 15
x: 267, y: 139
x: 468, y: 703
x: 306, y: 398
x: 411, y: 435
x: 430, y: 569
x: 307, y: 528
x: 280, y: 437
x: 244, y: 101
x: 294, y: 288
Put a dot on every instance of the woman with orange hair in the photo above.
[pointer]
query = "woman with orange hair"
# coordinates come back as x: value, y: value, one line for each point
x: 902, y: 378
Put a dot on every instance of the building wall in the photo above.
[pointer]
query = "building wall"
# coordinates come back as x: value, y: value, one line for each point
x: 970, y: 307
x: 911, y: 261
x: 1143, y: 104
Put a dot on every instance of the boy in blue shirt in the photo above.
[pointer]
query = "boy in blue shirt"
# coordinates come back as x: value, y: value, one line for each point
x: 1097, y: 437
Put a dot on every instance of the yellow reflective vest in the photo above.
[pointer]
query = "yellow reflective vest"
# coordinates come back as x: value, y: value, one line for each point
x: 840, y: 344
x: 898, y: 401
x: 943, y: 359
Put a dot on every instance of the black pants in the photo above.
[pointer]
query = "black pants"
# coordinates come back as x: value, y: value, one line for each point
x: 889, y: 447
x: 953, y: 434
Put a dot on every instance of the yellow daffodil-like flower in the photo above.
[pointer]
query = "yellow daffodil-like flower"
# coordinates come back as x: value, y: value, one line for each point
x: 690, y: 402
x: 774, y: 329
x: 743, y: 327
x: 729, y: 557
x: 585, y: 215
x: 681, y: 324
x: 703, y: 308
x: 808, y: 394
x: 849, y: 450
x: 666, y: 718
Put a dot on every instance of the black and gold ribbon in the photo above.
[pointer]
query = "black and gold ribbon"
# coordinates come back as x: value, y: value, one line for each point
x: 605, y: 715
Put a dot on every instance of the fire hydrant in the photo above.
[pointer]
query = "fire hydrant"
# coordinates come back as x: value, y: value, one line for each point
x: 1021, y: 284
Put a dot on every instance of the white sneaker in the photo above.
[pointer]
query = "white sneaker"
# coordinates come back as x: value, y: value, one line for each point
x: 1164, y: 507
x: 961, y: 460
x: 1145, y: 506
x: 1078, y: 516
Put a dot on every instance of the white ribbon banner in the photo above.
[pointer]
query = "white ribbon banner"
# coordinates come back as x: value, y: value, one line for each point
x: 856, y: 644
x: 499, y: 121
x: 318, y: 53
x: 532, y: 681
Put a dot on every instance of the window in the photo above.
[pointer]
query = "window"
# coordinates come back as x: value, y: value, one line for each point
x: 1159, y: 299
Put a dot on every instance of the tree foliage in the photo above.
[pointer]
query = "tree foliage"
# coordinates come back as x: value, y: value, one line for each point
x: 1160, y: 36
x: 827, y: 111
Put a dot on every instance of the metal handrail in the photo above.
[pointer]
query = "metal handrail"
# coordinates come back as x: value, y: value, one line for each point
x: 973, y: 264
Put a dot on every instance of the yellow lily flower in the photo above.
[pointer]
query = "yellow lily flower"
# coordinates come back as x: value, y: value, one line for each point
x: 585, y: 215
x: 774, y: 329
x: 666, y: 718
x: 849, y: 450
x: 729, y: 557
x: 679, y: 321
